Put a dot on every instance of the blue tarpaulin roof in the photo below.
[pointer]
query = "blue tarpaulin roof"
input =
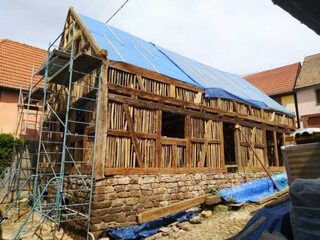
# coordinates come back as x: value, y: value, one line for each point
x: 124, y: 47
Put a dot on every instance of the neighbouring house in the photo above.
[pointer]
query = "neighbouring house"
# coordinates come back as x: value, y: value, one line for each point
x: 16, y: 63
x: 156, y: 127
x: 308, y: 92
x: 279, y: 84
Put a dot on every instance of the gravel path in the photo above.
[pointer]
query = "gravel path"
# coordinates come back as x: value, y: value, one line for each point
x: 221, y: 225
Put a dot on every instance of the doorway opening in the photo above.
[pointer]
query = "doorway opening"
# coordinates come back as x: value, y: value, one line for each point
x: 229, y: 144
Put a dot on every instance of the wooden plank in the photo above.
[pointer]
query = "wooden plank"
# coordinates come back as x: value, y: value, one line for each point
x: 160, y: 212
x: 173, y: 141
x: 158, y: 170
x: 187, y: 135
x: 158, y: 139
x: 172, y: 91
x: 101, y: 139
x: 273, y: 196
x: 276, y: 156
x: 213, y: 199
x: 205, y: 145
x: 277, y: 201
x: 222, y: 159
x: 122, y: 133
x: 139, y: 78
x: 133, y: 135
x: 174, y: 155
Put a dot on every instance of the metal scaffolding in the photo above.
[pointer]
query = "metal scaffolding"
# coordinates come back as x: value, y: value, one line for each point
x: 59, y: 162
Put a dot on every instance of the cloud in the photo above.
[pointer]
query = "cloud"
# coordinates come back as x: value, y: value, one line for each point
x: 237, y: 36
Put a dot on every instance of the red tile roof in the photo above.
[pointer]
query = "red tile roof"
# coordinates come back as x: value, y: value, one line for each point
x: 276, y: 81
x: 16, y: 61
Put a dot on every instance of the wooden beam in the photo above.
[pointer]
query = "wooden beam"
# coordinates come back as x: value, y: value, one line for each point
x: 160, y: 170
x: 102, y: 126
x: 205, y: 145
x: 177, y: 102
x: 160, y: 212
x: 187, y: 135
x: 273, y: 196
x: 237, y: 147
x: 158, y: 150
x: 133, y: 135
x: 275, y: 142
x: 222, y: 159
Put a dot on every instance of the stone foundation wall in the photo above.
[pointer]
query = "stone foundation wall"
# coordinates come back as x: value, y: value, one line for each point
x: 117, y: 200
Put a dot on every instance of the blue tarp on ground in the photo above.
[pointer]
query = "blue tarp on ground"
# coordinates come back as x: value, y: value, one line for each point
x: 275, y: 219
x: 124, y: 47
x: 255, y: 190
x: 150, y: 228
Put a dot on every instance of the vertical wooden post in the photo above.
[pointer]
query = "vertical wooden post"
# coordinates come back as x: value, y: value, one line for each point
x: 187, y: 135
x: 101, y: 137
x: 265, y: 149
x: 158, y: 139
x: 252, y: 142
x: 237, y: 147
x: 276, y: 156
x: 172, y: 91
x: 174, y: 161
x: 221, y: 138
x: 205, y: 145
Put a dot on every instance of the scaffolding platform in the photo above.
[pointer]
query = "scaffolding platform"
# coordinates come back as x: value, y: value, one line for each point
x: 82, y: 64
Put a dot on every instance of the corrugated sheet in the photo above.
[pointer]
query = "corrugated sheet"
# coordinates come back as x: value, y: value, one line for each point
x: 125, y: 47
x: 310, y: 72
x: 277, y: 80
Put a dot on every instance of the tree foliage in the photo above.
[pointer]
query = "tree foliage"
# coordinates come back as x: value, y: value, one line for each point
x: 8, y: 147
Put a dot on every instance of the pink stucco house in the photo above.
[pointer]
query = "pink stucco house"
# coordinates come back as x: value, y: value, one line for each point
x: 16, y: 62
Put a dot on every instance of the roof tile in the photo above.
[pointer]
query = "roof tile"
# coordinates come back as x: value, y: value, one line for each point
x: 16, y: 61
x: 276, y: 81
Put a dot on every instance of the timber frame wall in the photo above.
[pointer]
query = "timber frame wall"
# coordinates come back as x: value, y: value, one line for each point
x: 130, y: 137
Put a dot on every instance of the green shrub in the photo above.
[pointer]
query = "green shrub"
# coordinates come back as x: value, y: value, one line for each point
x: 8, y: 147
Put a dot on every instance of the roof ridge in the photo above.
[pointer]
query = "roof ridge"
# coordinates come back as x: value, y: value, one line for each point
x: 20, y: 43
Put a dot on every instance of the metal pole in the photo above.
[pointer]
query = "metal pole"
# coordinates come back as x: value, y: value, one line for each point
x: 63, y: 157
x: 35, y: 183
x: 29, y: 98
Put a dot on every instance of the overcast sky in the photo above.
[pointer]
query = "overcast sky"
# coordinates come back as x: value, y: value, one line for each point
x: 236, y: 36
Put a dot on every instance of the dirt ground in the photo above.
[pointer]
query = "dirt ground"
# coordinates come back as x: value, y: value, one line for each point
x: 221, y: 225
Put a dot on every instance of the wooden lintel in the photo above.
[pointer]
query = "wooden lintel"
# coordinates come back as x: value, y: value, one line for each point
x: 133, y: 135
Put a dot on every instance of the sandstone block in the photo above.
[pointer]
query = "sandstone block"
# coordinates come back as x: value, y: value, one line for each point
x: 132, y: 201
x: 118, y: 202
x: 206, y: 213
